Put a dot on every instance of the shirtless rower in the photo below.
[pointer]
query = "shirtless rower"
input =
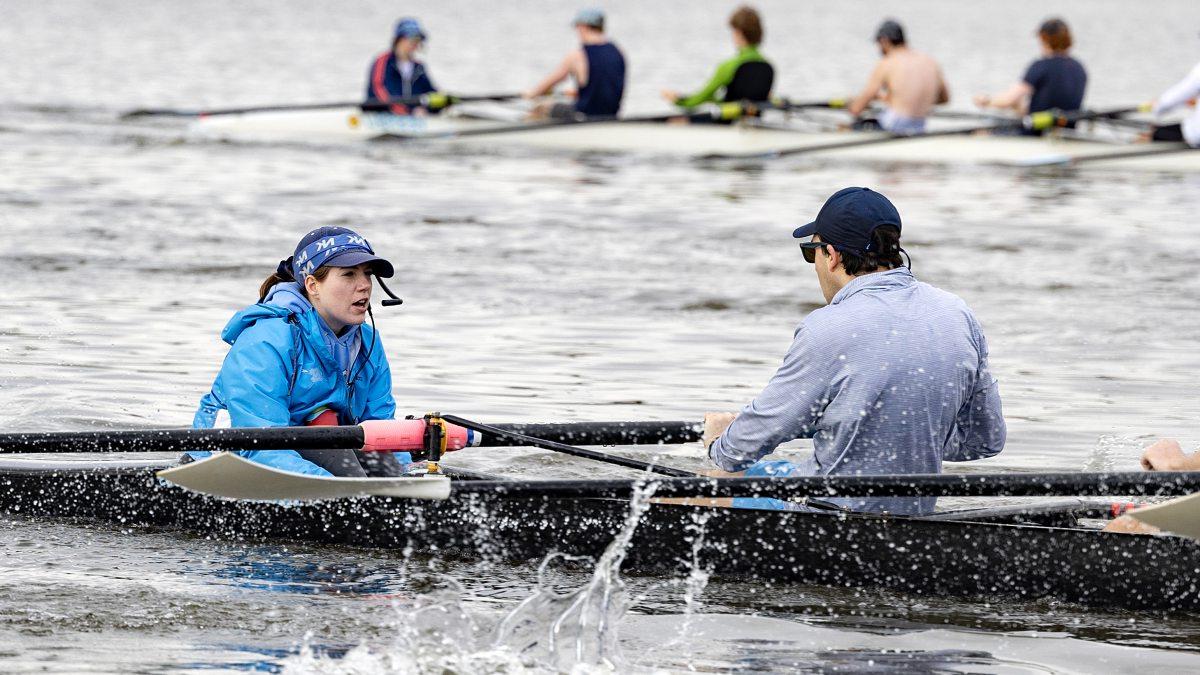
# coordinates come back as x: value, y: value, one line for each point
x: 909, y: 82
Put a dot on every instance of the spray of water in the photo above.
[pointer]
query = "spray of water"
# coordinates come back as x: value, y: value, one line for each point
x: 549, y: 632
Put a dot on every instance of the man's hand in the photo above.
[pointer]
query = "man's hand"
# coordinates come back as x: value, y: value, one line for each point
x: 1166, y: 455
x: 715, y: 424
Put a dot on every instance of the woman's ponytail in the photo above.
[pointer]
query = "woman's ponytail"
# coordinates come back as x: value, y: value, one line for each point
x: 282, y: 274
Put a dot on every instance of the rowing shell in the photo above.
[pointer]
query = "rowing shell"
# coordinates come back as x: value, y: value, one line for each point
x: 965, y: 558
x: 737, y: 141
x: 233, y: 477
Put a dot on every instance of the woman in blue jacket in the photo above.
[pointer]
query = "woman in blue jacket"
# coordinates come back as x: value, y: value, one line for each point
x: 304, y: 355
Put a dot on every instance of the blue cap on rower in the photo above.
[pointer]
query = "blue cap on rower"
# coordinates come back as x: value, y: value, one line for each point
x: 589, y: 16
x: 409, y: 27
x: 892, y: 30
x: 849, y: 218
x: 336, y: 247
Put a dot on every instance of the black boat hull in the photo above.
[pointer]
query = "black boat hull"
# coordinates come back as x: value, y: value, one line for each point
x: 915, y: 556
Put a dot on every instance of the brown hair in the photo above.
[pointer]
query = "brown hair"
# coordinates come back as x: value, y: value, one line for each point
x: 1056, y: 35
x: 747, y: 21
x: 278, y: 278
x: 884, y: 253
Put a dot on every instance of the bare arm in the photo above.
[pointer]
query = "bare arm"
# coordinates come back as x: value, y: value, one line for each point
x: 943, y: 96
x: 574, y: 65
x: 1012, y: 98
x: 875, y: 84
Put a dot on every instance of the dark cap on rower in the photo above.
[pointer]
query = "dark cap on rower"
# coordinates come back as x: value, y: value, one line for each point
x: 409, y: 27
x: 892, y: 30
x: 589, y: 16
x: 850, y: 217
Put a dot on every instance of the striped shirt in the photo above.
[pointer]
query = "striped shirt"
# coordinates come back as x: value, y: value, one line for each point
x: 890, y: 378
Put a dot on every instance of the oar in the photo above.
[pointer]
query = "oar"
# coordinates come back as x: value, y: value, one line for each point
x: 914, y: 485
x: 518, y: 438
x: 322, y: 437
x: 1049, y: 119
x: 859, y: 142
x: 1150, y: 150
x: 536, y: 126
x: 433, y: 101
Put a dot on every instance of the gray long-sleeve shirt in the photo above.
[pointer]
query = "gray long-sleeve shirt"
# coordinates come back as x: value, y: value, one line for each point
x: 891, y: 378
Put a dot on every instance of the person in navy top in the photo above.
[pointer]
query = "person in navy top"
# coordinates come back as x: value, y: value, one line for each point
x: 1054, y: 82
x: 397, y: 74
x: 598, y: 68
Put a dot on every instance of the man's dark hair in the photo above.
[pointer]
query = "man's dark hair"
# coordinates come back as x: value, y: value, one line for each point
x: 884, y: 253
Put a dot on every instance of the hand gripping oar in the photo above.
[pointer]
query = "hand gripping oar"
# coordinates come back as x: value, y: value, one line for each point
x: 379, y: 435
x: 914, y: 485
x: 432, y: 101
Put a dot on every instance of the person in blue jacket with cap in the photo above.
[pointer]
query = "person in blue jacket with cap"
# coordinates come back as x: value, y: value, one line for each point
x: 304, y: 355
x: 397, y: 74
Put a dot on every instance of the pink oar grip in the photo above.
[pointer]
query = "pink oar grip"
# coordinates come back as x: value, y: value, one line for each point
x: 407, y: 435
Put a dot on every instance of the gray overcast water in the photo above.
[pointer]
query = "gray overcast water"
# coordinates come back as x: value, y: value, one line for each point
x: 548, y: 286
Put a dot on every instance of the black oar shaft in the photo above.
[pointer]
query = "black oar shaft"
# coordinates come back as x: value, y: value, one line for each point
x: 179, y: 440
x: 918, y: 485
x: 523, y: 439
x: 322, y: 438
x: 600, y: 433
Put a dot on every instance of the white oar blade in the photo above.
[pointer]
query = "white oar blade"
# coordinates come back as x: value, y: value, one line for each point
x: 1178, y: 516
x: 233, y: 477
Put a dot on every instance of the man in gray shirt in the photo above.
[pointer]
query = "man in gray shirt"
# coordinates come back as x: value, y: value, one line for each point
x: 890, y: 378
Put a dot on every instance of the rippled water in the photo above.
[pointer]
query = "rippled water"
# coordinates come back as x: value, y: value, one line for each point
x: 543, y: 286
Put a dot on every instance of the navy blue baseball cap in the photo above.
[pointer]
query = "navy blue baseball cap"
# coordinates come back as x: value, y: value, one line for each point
x: 849, y: 218
x: 409, y: 27
x: 336, y: 247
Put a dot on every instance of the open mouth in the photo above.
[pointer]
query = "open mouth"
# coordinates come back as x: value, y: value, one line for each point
x: 362, y: 304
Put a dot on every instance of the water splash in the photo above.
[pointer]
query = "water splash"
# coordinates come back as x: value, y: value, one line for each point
x: 551, y: 631
x: 567, y: 631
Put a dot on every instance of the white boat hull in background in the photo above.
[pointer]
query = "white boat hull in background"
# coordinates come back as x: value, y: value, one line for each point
x: 692, y: 140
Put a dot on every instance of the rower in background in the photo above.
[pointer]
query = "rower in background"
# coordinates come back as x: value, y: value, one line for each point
x: 890, y: 378
x: 909, y: 82
x: 397, y: 73
x: 1054, y: 82
x: 303, y: 356
x: 598, y: 69
x: 1182, y: 94
x: 745, y: 77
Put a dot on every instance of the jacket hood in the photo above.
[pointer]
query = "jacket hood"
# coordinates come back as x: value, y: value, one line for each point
x: 282, y: 301
x: 286, y: 300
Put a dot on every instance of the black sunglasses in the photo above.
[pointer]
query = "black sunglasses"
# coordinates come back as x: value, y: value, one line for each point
x: 810, y: 248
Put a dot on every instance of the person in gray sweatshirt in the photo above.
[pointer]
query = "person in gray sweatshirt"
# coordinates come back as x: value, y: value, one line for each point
x: 890, y: 378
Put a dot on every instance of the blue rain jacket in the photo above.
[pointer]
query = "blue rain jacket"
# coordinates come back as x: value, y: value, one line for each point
x: 282, y: 369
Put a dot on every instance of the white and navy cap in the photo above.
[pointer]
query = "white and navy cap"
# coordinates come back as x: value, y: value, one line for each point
x: 336, y: 247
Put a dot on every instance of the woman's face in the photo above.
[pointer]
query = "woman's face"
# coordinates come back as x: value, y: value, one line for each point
x: 343, y: 297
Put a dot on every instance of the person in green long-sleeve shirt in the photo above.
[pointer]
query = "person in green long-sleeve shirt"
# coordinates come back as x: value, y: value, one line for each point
x: 745, y: 77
